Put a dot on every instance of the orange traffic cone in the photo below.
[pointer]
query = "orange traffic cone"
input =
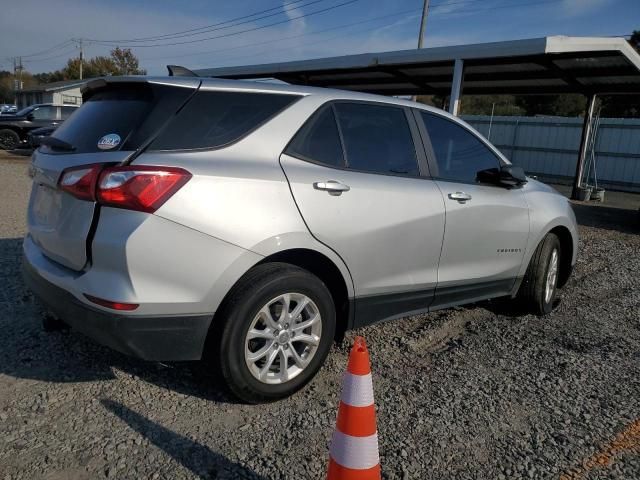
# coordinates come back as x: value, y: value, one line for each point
x: 354, y: 446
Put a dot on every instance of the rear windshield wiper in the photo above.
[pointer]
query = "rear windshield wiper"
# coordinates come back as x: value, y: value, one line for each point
x: 57, y: 144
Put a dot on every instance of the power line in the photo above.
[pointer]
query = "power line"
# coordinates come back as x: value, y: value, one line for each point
x: 235, y: 33
x: 415, y: 10
x: 48, y: 50
x: 464, y: 12
x: 311, y: 43
x: 106, y: 42
x: 237, y: 47
x: 38, y: 60
x: 208, y: 28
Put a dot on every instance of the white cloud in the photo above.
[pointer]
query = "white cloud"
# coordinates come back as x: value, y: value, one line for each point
x: 575, y: 8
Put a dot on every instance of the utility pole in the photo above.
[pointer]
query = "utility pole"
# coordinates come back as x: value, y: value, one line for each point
x: 423, y: 26
x: 81, y: 57
x: 17, y: 77
x: 423, y: 22
x: 15, y: 82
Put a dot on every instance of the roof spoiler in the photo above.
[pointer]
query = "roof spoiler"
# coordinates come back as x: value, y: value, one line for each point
x: 178, y: 71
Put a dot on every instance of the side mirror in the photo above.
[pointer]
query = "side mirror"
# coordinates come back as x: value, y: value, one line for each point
x: 507, y: 175
x: 30, y: 116
x: 512, y: 176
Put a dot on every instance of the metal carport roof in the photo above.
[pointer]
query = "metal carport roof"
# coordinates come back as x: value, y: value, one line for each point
x: 534, y: 66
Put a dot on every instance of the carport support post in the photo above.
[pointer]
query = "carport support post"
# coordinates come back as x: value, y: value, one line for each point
x: 584, y: 144
x: 456, y: 87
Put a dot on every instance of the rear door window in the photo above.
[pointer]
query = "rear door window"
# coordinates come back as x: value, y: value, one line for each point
x: 45, y: 113
x: 319, y: 140
x: 213, y: 119
x: 66, y: 112
x: 377, y: 138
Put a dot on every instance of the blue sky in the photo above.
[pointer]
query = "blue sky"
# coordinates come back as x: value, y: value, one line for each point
x: 32, y: 26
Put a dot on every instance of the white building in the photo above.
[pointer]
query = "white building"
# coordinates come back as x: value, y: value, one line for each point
x: 60, y: 93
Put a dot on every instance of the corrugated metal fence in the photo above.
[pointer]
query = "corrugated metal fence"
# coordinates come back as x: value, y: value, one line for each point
x: 548, y: 147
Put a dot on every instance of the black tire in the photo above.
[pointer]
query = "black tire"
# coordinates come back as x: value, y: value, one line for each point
x: 532, y: 293
x: 231, y: 325
x: 9, y: 140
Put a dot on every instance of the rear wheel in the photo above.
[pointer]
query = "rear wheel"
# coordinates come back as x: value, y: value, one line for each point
x: 539, y: 288
x: 9, y: 140
x: 278, y: 324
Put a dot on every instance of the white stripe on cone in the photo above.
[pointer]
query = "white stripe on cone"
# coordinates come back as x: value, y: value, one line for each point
x: 355, y: 452
x: 357, y: 390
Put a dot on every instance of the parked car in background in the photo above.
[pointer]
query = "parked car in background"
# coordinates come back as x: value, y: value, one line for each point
x: 34, y: 137
x: 14, y: 128
x: 248, y: 223
x: 7, y: 109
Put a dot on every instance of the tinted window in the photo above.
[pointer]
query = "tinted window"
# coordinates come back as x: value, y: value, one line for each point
x: 45, y: 113
x: 460, y: 155
x: 67, y: 111
x: 318, y: 140
x: 377, y: 138
x: 134, y: 112
x: 214, y: 119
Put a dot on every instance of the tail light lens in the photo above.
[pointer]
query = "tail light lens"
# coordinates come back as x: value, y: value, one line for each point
x: 81, y: 181
x: 140, y: 188
x: 143, y: 188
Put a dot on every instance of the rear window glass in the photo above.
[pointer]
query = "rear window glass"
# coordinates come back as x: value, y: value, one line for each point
x: 132, y: 112
x: 318, y: 140
x: 213, y: 119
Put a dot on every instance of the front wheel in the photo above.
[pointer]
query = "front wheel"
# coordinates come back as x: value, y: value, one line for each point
x: 9, y: 140
x: 278, y: 324
x: 540, y: 285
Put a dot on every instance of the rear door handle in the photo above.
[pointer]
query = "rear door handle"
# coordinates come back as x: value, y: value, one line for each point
x: 460, y: 196
x: 331, y: 186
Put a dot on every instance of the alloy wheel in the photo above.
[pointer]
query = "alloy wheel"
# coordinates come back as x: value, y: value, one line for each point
x: 283, y: 338
x: 552, y: 276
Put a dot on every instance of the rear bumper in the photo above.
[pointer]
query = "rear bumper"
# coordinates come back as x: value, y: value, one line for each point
x: 158, y: 337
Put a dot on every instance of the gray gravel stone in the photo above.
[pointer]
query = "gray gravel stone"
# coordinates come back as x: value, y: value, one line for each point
x: 465, y: 393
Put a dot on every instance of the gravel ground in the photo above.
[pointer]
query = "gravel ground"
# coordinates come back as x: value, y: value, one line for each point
x: 479, y: 392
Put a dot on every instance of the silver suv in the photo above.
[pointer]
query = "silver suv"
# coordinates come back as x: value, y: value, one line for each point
x: 248, y: 224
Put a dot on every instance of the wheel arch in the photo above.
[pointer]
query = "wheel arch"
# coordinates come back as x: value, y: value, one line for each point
x: 326, y: 270
x: 313, y: 261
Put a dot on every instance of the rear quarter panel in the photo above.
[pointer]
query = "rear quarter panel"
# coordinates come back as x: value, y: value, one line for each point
x: 240, y: 195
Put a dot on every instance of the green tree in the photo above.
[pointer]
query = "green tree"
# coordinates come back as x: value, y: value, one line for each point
x: 565, y: 105
x: 126, y: 62
x: 486, y: 104
x: 635, y: 40
x: 121, y: 61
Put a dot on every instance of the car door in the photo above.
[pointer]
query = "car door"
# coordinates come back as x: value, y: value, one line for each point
x: 45, y: 116
x: 486, y: 227
x: 355, y: 174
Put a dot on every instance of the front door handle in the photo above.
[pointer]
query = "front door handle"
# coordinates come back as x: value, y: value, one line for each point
x: 460, y: 196
x: 331, y: 186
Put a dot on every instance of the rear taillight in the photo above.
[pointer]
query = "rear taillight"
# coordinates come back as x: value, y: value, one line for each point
x: 143, y: 188
x: 81, y: 181
x: 140, y: 188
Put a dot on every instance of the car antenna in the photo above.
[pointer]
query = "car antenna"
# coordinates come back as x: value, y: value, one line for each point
x: 178, y: 71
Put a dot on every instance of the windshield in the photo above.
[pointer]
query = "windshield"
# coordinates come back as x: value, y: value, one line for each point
x: 26, y: 110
